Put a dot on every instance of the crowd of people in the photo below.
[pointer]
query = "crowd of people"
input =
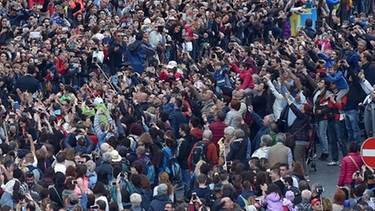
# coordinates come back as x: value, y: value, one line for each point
x: 184, y: 105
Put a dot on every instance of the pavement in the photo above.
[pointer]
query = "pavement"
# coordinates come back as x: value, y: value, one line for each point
x: 325, y: 175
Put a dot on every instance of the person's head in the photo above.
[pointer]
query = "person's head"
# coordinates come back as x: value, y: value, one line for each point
x: 229, y: 133
x: 202, y: 179
x: 184, y: 129
x: 275, y: 173
x: 327, y: 204
x: 135, y: 199
x: 281, y: 137
x: 239, y: 133
x: 353, y: 147
x: 288, y: 181
x: 339, y: 197
x: 316, y: 204
x: 284, y: 169
x: 306, y: 108
x: 306, y: 195
x: 297, y: 168
x: 268, y: 119
x: 316, y: 189
x: 30, y: 178
x: 273, y: 188
x: 207, y: 135
x: 265, y: 140
x: 81, y: 170
x: 162, y: 189
x: 227, y: 203
x: 169, y: 206
x: 101, y: 205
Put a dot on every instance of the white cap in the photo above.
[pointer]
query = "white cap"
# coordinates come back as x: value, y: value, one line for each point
x: 172, y: 64
x: 98, y: 100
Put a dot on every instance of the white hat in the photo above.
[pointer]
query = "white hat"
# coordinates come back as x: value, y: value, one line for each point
x: 98, y: 100
x: 147, y: 21
x: 172, y: 64
x: 116, y: 156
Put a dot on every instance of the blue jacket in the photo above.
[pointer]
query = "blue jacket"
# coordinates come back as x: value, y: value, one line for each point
x: 178, y: 119
x: 136, y: 56
x: 158, y: 203
x: 339, y: 79
x: 352, y: 58
x: 262, y: 131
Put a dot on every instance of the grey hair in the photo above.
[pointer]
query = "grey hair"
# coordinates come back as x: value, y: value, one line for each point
x: 266, y: 140
x: 306, y: 195
x: 90, y: 165
x: 135, y: 199
x: 271, y: 118
x: 207, y: 134
x: 238, y: 133
x: 229, y: 130
x: 281, y: 137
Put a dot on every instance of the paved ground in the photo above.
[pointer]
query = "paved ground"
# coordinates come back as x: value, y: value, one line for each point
x: 325, y: 175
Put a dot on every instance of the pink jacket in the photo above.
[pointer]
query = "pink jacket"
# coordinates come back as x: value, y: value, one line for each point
x: 348, y: 168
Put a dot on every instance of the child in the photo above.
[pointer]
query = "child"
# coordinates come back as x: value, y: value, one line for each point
x: 336, y: 76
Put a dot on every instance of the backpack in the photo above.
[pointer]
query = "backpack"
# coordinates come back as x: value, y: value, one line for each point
x: 173, y: 168
x: 200, y: 153
x: 150, y: 169
x: 31, y: 168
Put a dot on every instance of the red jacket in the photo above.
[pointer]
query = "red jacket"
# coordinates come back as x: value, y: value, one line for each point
x: 348, y: 168
x: 61, y: 67
x: 212, y: 154
x: 217, y: 128
x: 246, y: 76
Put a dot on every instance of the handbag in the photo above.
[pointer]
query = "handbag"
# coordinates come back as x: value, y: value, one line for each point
x: 290, y: 140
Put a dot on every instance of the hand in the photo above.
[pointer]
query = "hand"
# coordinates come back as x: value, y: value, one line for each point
x: 287, y: 96
x: 250, y: 109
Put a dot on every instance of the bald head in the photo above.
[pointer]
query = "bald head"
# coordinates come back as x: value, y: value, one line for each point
x: 207, y: 135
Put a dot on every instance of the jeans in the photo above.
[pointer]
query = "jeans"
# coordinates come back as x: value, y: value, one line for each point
x: 351, y: 123
x: 336, y: 136
x: 322, y: 135
x: 186, y: 179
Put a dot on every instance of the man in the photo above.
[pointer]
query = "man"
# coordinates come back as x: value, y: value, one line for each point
x: 350, y: 55
x: 284, y: 172
x: 263, y: 124
x: 135, y: 200
x: 305, y: 203
x: 265, y: 144
x: 211, y: 151
x: 106, y: 165
x: 27, y: 82
x: 217, y: 127
x: 178, y: 118
x: 161, y: 199
x: 169, y: 206
x: 276, y: 179
x: 117, y: 52
x: 279, y: 152
x: 34, y: 188
x: 208, y: 101
x: 368, y: 67
x: 29, y: 161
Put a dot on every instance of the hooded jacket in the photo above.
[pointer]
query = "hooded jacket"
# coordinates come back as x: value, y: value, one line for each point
x: 273, y: 202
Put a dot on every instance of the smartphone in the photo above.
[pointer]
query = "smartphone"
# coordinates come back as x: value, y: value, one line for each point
x: 74, y: 182
x: 270, y: 32
x: 194, y: 196
x: 16, y: 105
x: 114, y: 183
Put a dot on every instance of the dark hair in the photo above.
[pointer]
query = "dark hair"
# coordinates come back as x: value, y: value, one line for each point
x: 202, y: 179
x: 235, y: 104
x: 353, y: 147
x: 185, y: 128
x: 136, y: 180
x: 289, y: 180
x: 308, y: 22
x: 138, y: 165
x: 81, y: 170
x: 220, y: 115
x: 99, y: 188
x: 194, y: 121
x: 273, y: 188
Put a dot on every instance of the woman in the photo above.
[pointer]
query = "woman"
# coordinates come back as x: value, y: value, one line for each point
x: 56, y: 190
x: 297, y: 170
x: 164, y: 179
x: 300, y: 130
x: 349, y: 165
x: 101, y: 193
x: 338, y: 200
x: 272, y: 197
x: 82, y: 178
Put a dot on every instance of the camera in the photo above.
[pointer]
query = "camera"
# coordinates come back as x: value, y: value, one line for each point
x: 194, y: 196
x: 357, y: 173
x: 319, y: 190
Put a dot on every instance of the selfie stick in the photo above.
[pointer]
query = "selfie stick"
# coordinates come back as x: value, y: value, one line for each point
x: 106, y: 77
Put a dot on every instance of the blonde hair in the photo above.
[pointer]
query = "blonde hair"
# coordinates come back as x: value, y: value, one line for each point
x: 164, y: 178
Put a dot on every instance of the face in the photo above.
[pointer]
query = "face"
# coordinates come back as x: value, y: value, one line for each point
x: 168, y: 207
x: 283, y: 171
